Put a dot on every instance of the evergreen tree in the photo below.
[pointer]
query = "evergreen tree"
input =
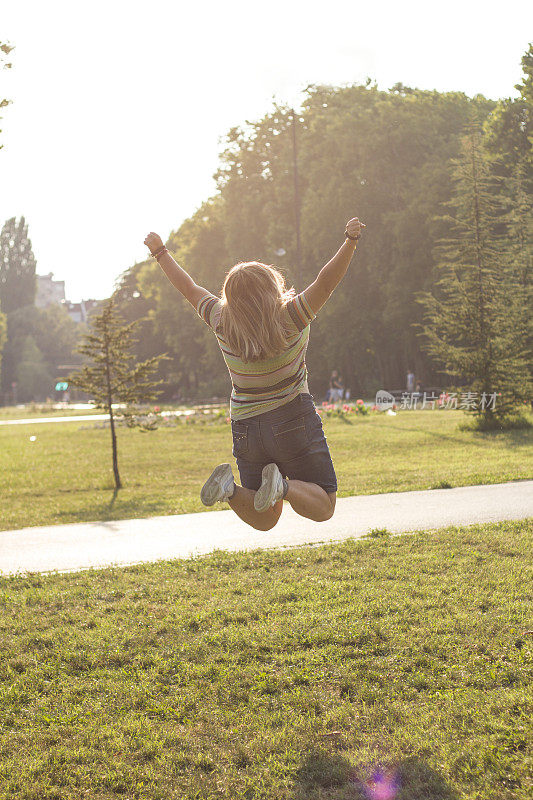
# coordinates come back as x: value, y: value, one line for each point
x: 113, y: 377
x: 519, y: 256
x: 474, y: 327
x: 18, y: 284
x: 508, y: 137
x: 526, y: 94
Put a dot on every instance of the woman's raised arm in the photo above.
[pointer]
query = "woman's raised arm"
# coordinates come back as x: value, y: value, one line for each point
x: 332, y: 273
x: 176, y: 274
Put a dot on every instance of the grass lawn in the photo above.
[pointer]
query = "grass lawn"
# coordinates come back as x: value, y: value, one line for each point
x: 65, y: 475
x: 283, y: 674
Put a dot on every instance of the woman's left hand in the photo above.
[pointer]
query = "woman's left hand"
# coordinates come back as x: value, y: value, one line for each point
x: 353, y: 227
x: 154, y: 242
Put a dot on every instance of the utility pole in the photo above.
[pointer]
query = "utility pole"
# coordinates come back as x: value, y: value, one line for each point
x: 296, y: 200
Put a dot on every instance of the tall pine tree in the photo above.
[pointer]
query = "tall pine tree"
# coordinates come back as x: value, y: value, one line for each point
x: 474, y: 326
x: 508, y: 137
x: 18, y: 284
x: 519, y: 255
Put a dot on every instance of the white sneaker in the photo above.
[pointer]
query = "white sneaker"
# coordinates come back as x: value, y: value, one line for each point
x: 219, y: 486
x: 271, y: 489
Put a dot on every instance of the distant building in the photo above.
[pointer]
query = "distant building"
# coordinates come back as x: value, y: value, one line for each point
x: 80, y: 311
x: 49, y: 292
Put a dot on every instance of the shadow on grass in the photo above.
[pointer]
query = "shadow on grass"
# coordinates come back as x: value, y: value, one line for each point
x: 100, y: 512
x: 112, y: 501
x: 323, y: 774
x: 515, y: 437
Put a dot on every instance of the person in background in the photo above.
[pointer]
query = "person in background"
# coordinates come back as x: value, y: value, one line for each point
x: 410, y: 381
x: 332, y: 379
x: 335, y: 384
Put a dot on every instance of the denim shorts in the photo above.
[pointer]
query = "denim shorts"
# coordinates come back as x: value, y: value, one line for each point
x: 290, y: 436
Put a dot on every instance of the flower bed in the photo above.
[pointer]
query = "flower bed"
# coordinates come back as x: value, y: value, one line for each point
x: 357, y: 409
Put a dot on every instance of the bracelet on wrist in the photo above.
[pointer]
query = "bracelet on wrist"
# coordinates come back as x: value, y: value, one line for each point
x: 353, y: 238
x: 160, y: 252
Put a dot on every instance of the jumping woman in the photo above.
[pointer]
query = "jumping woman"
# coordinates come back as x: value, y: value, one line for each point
x: 262, y: 329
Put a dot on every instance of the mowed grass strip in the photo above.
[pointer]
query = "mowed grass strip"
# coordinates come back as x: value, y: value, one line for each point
x: 282, y: 674
x: 65, y: 475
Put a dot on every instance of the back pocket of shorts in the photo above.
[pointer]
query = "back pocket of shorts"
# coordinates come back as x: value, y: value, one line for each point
x: 290, y: 437
x: 239, y: 431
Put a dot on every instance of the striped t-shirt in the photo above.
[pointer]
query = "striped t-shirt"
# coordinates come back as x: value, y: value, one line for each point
x: 260, y: 386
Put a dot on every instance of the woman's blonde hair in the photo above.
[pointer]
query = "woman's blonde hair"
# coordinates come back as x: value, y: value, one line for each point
x: 253, y: 298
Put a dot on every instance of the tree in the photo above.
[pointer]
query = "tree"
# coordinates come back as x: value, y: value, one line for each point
x: 18, y: 284
x: 473, y: 323
x: 56, y: 335
x: 518, y: 238
x: 113, y: 377
x: 3, y: 339
x: 508, y: 141
x: 382, y: 156
x: 5, y: 50
x: 32, y: 374
x: 509, y: 129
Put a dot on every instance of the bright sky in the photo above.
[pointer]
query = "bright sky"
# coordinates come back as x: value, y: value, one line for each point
x: 119, y: 106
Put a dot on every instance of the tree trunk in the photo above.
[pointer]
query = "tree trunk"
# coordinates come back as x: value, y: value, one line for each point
x: 381, y: 369
x: 118, y: 484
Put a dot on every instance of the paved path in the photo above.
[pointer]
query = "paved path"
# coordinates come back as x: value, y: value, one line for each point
x: 124, y: 542
x: 184, y: 412
x: 85, y: 417
x: 37, y: 420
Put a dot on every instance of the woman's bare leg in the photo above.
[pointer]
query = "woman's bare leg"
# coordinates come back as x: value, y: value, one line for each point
x: 310, y: 500
x: 242, y: 502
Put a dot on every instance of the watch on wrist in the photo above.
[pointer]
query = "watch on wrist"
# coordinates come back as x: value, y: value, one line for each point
x: 353, y: 238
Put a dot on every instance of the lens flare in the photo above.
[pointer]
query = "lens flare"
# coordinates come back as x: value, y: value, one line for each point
x: 381, y: 786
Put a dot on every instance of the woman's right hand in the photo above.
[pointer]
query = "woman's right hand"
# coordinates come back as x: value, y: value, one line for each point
x: 353, y: 227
